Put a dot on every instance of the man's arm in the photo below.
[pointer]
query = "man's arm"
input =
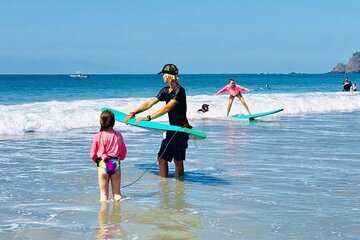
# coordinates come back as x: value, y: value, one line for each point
x: 165, y: 109
x: 143, y: 107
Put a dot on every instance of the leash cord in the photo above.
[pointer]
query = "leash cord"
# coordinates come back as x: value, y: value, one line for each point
x: 127, y: 185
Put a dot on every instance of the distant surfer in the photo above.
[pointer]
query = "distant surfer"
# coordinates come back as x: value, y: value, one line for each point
x: 353, y: 88
x: 107, y: 150
x: 346, y: 85
x: 175, y: 143
x: 235, y: 91
x: 267, y: 86
x: 204, y: 108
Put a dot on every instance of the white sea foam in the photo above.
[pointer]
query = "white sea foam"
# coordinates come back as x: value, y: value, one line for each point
x: 58, y: 116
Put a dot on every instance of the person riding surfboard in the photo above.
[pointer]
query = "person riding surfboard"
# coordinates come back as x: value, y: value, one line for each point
x: 235, y: 91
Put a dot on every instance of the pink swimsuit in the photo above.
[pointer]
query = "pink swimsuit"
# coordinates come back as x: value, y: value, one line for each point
x: 234, y: 91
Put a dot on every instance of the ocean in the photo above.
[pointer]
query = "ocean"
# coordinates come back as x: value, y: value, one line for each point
x: 291, y: 175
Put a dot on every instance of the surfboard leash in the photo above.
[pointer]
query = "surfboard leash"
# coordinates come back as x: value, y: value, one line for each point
x: 127, y: 185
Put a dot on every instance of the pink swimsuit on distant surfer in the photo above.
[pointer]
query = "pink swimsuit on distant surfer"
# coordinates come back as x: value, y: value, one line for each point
x: 234, y: 91
x: 107, y: 149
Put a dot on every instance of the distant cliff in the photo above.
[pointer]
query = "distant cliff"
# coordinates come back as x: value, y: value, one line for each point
x: 353, y: 65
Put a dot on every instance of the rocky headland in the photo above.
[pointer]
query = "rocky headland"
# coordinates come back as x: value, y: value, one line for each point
x: 353, y: 66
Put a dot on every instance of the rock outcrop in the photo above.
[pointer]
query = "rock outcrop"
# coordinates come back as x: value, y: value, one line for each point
x: 353, y: 65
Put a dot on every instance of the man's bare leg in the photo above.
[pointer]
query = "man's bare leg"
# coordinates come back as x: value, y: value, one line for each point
x: 163, y: 168
x: 179, y: 168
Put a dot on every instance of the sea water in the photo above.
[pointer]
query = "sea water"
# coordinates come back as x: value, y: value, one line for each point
x: 291, y: 175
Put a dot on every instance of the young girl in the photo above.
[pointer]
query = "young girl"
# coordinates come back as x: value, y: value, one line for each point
x: 107, y: 149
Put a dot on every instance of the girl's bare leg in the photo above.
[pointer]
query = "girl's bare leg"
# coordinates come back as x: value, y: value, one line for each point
x: 231, y: 99
x: 242, y: 100
x: 103, y: 179
x: 116, y: 184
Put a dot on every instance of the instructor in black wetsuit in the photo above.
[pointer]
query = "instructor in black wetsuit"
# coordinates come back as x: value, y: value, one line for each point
x: 175, y: 144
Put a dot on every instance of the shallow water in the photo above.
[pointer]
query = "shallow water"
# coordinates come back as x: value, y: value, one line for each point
x: 285, y: 177
x: 292, y: 175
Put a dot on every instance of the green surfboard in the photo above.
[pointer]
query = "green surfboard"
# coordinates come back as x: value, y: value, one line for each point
x: 253, y: 116
x: 120, y: 116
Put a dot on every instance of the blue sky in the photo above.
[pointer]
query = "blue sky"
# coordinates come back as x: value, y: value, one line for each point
x: 203, y: 36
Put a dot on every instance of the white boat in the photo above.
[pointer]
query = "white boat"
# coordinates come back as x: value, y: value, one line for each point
x: 78, y: 75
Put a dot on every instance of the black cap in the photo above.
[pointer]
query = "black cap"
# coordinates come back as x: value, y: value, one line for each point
x: 169, y: 69
x: 205, y: 105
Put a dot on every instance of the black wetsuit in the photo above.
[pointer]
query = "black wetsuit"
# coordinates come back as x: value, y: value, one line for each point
x: 177, y: 115
x: 174, y: 147
x: 347, y: 86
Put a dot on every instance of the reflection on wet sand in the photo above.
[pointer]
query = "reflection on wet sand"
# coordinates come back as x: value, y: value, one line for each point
x: 109, y: 225
x: 171, y: 218
x: 176, y: 218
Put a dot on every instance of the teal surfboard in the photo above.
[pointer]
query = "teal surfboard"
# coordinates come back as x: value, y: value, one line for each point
x: 253, y: 116
x: 120, y: 116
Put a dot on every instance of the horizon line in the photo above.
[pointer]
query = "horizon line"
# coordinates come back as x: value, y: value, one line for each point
x: 260, y: 73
